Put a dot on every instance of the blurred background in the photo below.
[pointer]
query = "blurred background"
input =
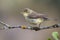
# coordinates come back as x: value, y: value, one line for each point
x: 10, y: 14
x: 10, y: 10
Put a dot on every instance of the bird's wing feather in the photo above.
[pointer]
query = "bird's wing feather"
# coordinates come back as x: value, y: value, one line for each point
x: 37, y: 15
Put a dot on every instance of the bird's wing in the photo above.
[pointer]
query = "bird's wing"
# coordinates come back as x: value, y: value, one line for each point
x: 37, y: 15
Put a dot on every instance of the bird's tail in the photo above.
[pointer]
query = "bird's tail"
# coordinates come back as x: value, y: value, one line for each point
x: 54, y: 19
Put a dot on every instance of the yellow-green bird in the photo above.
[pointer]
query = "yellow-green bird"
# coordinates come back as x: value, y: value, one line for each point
x: 33, y: 17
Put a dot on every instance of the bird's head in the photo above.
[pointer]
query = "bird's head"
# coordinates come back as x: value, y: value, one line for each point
x: 27, y: 11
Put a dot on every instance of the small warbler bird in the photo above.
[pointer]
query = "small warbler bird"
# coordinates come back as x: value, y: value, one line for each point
x: 33, y: 17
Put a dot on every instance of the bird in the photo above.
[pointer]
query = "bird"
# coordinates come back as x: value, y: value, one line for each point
x: 34, y: 17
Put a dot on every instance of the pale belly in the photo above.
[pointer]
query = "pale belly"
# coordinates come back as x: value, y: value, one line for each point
x: 34, y: 21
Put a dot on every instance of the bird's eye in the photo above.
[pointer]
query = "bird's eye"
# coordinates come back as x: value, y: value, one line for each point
x: 25, y: 10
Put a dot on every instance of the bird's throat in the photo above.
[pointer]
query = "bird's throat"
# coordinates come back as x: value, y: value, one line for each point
x: 25, y: 14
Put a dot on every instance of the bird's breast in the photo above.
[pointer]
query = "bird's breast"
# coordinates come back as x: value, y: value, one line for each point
x: 34, y: 21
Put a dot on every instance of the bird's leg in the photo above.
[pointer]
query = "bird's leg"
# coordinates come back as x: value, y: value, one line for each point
x: 39, y: 24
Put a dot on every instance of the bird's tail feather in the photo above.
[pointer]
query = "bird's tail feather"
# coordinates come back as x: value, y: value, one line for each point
x: 54, y: 19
